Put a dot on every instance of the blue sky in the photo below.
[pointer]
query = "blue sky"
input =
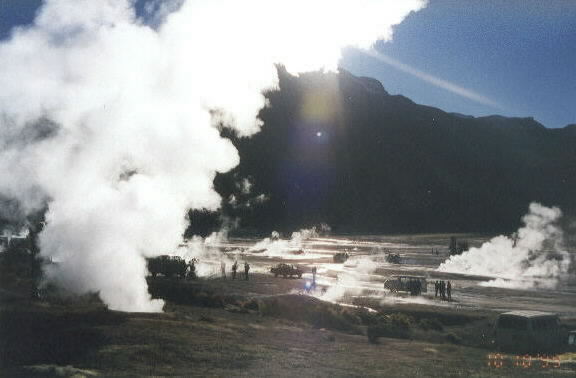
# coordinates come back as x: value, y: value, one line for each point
x: 519, y: 54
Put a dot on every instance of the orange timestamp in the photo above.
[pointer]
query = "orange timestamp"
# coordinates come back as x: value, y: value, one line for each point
x: 544, y: 361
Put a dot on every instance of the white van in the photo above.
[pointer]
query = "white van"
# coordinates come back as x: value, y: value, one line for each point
x: 528, y: 331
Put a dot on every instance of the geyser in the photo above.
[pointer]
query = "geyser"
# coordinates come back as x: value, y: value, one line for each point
x: 130, y: 111
x: 536, y: 257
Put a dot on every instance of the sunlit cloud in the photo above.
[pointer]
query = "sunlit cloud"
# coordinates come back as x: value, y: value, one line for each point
x: 436, y: 81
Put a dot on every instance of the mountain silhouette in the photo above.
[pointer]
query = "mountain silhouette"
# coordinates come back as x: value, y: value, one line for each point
x: 340, y: 149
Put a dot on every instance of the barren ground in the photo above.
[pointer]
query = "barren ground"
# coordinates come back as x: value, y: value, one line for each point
x: 216, y: 328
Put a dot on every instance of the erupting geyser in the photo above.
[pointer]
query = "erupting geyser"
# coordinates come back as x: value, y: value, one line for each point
x: 536, y: 257
x: 110, y: 122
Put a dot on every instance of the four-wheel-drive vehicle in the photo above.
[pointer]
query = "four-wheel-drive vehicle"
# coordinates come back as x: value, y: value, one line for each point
x: 340, y: 257
x: 458, y: 247
x: 415, y: 285
x: 167, y: 266
x: 529, y: 331
x: 572, y: 340
x: 286, y: 270
x: 393, y: 258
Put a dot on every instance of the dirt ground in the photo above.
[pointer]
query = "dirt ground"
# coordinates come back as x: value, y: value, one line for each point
x: 244, y: 328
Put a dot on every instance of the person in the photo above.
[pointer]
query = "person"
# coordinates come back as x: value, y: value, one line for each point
x: 35, y: 295
x: 234, y: 269
x: 223, y: 269
x: 192, y: 269
x: 246, y: 269
x: 443, y: 289
x: 515, y: 238
x: 314, y: 277
x: 307, y: 287
x: 449, y: 290
x: 436, y: 288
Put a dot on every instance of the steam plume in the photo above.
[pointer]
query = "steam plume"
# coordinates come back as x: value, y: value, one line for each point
x: 276, y: 246
x: 537, y: 258
x: 109, y: 121
x: 349, y: 282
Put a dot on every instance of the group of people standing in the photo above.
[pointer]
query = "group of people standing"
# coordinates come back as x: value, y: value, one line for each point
x: 234, y: 269
x: 444, y: 289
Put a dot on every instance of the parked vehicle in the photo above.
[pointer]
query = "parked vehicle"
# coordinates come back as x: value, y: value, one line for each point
x: 457, y: 247
x: 167, y: 266
x: 393, y: 258
x: 415, y: 285
x: 340, y: 257
x: 572, y: 340
x: 286, y: 270
x: 529, y: 331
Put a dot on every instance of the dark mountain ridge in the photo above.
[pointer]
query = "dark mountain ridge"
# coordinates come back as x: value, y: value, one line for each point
x: 340, y: 149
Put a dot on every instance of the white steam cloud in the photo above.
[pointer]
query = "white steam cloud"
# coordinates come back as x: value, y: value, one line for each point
x: 276, y: 246
x: 208, y: 254
x: 110, y: 122
x: 537, y: 256
x: 351, y: 280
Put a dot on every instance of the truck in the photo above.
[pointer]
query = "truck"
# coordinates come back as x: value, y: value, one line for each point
x: 340, y: 257
x: 393, y: 258
x: 415, y: 285
x: 167, y: 265
x: 458, y: 247
x: 529, y: 331
x: 286, y: 270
